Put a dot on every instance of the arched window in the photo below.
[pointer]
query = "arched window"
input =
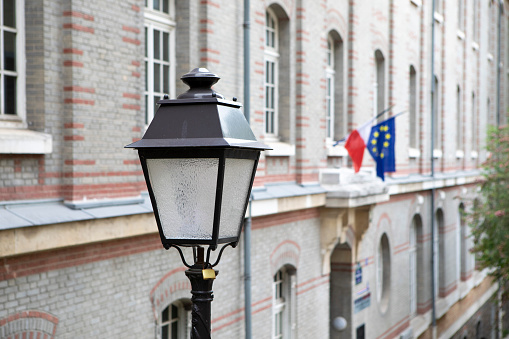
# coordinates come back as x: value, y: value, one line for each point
x: 459, y: 241
x: 277, y: 86
x: 459, y: 120
x: 283, y: 303
x: 461, y: 9
x: 383, y: 272
x: 271, y: 73
x: 412, y: 109
x: 437, y: 135
x: 335, y: 118
x: 175, y: 320
x: 473, y: 124
x: 412, y: 251
x: 440, y: 264
x: 380, y: 81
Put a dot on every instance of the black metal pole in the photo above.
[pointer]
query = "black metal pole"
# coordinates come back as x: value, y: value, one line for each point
x: 201, y: 299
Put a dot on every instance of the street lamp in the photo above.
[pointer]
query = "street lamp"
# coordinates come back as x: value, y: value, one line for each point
x: 199, y: 159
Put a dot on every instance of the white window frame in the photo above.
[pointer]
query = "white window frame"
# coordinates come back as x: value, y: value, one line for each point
x: 283, y: 305
x: 271, y: 57
x: 164, y: 23
x: 413, y: 268
x: 330, y: 75
x: 183, y: 321
x: 18, y: 119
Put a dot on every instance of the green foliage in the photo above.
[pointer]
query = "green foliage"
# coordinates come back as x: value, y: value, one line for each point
x: 489, y: 219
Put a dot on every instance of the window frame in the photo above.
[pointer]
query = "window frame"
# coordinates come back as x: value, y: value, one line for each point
x: 412, y: 251
x: 156, y: 20
x: 18, y: 119
x: 271, y: 55
x: 283, y: 303
x: 183, y: 320
x: 330, y: 79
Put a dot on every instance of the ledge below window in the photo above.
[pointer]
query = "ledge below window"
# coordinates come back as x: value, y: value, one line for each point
x: 22, y: 141
x: 336, y: 151
x: 279, y: 149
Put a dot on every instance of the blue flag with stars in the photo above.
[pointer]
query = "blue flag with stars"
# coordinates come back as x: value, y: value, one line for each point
x: 381, y: 146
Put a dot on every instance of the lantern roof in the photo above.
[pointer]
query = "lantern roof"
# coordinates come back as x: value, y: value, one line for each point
x: 199, y: 117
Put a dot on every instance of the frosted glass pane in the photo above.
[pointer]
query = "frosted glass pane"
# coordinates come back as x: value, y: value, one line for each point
x: 185, y: 191
x: 237, y: 178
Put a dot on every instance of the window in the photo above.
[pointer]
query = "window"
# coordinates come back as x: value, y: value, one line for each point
x: 461, y: 26
x: 475, y: 23
x: 437, y: 135
x: 436, y: 257
x: 413, y: 267
x: 412, y: 109
x: 271, y: 74
x: 159, y: 53
x: 283, y: 302
x: 459, y: 241
x: 459, y: 120
x: 440, y: 265
x: 473, y: 124
x: 380, y: 82
x: 330, y: 74
x: 383, y: 272
x: 175, y: 322
x: 12, y: 63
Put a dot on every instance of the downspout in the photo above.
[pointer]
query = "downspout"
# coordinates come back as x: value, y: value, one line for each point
x: 247, y: 224
x: 433, y: 98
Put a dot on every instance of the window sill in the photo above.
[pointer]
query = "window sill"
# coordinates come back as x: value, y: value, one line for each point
x: 336, y: 151
x: 460, y: 34
x: 475, y: 46
x: 437, y: 153
x: 490, y: 57
x: 417, y: 3
x: 279, y: 149
x: 22, y: 141
x: 460, y: 154
x: 414, y: 153
x: 474, y: 155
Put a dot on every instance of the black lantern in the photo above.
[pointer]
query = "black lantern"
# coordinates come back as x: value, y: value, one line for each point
x: 199, y: 158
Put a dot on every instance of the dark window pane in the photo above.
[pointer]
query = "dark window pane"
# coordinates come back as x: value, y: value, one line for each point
x: 157, y: 45
x: 166, y: 49
x: 10, y: 51
x: 146, y: 110
x: 174, y: 312
x: 166, y: 314
x: 146, y: 42
x: 166, y: 7
x: 146, y: 76
x: 10, y: 94
x: 164, y: 332
x: 166, y: 79
x: 156, y: 5
x: 174, y: 330
x: 157, y: 78
x: 10, y: 13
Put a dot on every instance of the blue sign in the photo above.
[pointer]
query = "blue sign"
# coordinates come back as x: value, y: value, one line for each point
x: 358, y: 274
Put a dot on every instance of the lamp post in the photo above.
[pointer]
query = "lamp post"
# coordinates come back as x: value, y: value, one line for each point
x: 199, y: 159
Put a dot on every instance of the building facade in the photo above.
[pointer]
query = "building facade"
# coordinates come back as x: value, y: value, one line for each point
x: 79, y: 248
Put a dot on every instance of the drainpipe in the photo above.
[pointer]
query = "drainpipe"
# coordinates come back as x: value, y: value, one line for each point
x: 247, y: 224
x: 432, y: 214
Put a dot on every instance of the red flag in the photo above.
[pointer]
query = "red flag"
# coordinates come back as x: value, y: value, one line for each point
x: 356, y: 144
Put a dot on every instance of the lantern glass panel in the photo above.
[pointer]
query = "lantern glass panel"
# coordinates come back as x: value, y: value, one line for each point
x: 185, y: 191
x: 237, y: 181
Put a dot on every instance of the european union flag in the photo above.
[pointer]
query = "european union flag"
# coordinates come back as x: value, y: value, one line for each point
x: 381, y: 146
